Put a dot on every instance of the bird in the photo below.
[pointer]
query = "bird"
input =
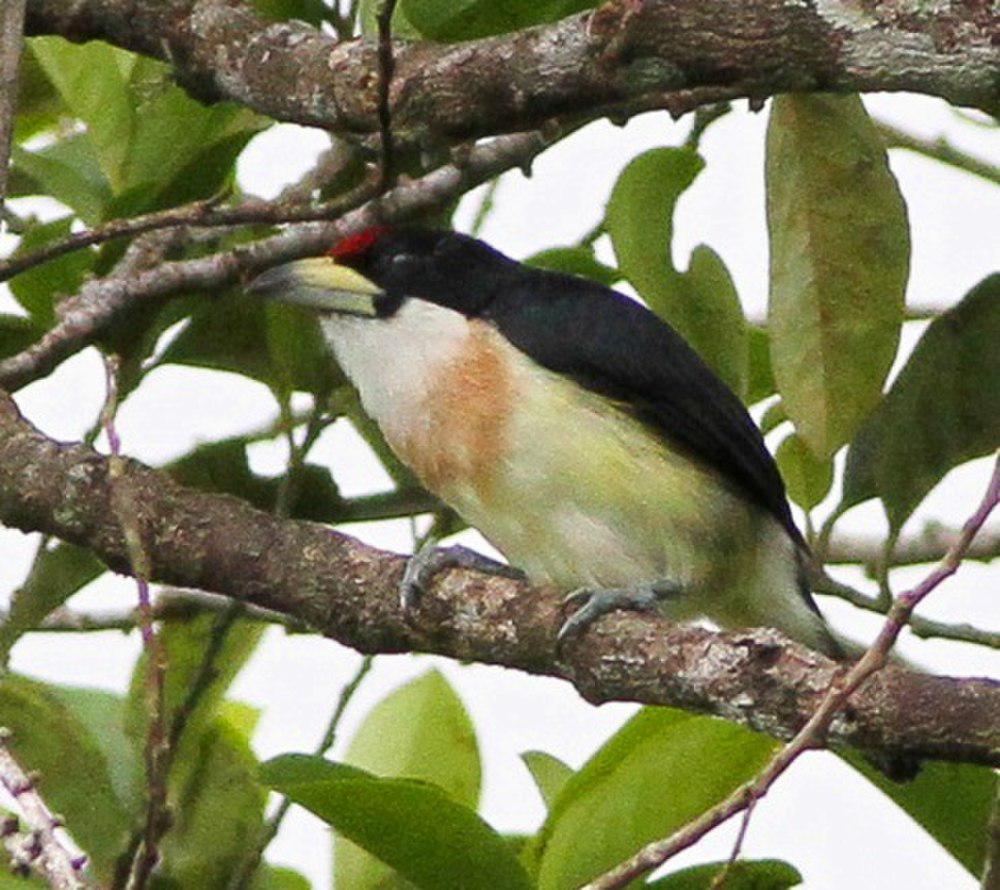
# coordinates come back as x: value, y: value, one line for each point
x: 569, y: 424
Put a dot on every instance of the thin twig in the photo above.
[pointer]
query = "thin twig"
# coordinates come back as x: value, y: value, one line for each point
x: 386, y: 67
x: 939, y: 150
x: 243, y: 874
x: 703, y: 118
x: 127, y: 510
x: 44, y: 851
x: 199, y: 214
x: 925, y: 628
x: 813, y: 734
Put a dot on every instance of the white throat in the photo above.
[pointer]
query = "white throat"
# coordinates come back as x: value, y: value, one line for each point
x: 394, y: 361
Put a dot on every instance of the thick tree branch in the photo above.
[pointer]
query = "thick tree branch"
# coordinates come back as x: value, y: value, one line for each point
x: 621, y: 54
x: 11, y: 38
x: 349, y: 592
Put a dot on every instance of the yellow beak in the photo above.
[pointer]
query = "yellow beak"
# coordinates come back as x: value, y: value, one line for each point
x: 320, y: 284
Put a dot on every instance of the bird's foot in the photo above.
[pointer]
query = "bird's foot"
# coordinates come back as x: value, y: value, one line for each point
x: 430, y: 559
x: 593, y: 602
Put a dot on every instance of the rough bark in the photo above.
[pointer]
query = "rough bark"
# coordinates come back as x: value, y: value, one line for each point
x: 348, y: 591
x: 624, y: 55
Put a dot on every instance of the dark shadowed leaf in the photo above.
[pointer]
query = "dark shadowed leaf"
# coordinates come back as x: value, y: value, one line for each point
x: 550, y: 774
x: 272, y: 877
x: 840, y: 252
x: 662, y: 769
x: 16, y: 333
x: 39, y: 107
x: 942, y: 410
x: 311, y: 11
x: 760, y: 374
x: 575, y: 261
x: 449, y: 20
x: 413, y: 826
x: 224, y: 467
x: 420, y: 731
x: 278, y: 345
x: 56, y: 574
x: 807, y: 478
x: 764, y: 874
x: 951, y: 801
x: 74, y: 772
x: 700, y: 303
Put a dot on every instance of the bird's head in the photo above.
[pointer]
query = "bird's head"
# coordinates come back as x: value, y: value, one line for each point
x: 374, y: 273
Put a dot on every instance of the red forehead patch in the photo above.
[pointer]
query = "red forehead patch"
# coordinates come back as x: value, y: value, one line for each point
x: 356, y: 245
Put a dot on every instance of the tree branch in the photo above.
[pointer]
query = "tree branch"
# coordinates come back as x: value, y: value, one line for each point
x: 101, y: 301
x: 620, y: 54
x: 45, y: 853
x: 348, y: 591
x: 11, y: 38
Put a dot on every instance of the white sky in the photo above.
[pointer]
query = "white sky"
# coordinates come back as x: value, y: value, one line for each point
x: 834, y: 827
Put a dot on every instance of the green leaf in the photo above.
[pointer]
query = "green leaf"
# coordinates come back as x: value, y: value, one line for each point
x: 311, y: 11
x: 16, y: 333
x: 773, y: 417
x: 74, y: 772
x: 56, y: 574
x: 420, y: 731
x: 701, y: 303
x: 103, y: 715
x: 575, y: 261
x: 807, y: 478
x: 217, y: 802
x: 37, y: 289
x: 657, y: 773
x: 840, y: 251
x: 942, y: 410
x: 952, y: 802
x: 66, y: 170
x: 760, y: 374
x: 412, y: 826
x: 276, y: 344
x: 155, y: 145
x: 185, y: 643
x: 450, y: 20
x: 272, y: 877
x: 763, y: 874
x: 550, y: 774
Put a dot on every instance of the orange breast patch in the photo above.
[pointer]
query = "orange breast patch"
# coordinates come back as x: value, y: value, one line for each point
x: 458, y: 438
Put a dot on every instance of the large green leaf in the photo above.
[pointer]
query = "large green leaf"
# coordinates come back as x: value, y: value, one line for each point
x: 56, y: 574
x: 39, y: 107
x: 413, y: 826
x: 420, y: 731
x: 450, y: 20
x: 942, y: 410
x: 840, y: 252
x: 75, y: 775
x: 700, y: 303
x: 217, y: 803
x: 760, y: 374
x: 952, y: 801
x: 762, y: 874
x: 662, y: 769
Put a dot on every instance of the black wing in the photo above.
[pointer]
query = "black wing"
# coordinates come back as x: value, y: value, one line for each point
x: 613, y: 345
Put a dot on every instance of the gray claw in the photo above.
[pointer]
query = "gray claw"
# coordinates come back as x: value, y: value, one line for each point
x: 429, y: 560
x: 599, y: 601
